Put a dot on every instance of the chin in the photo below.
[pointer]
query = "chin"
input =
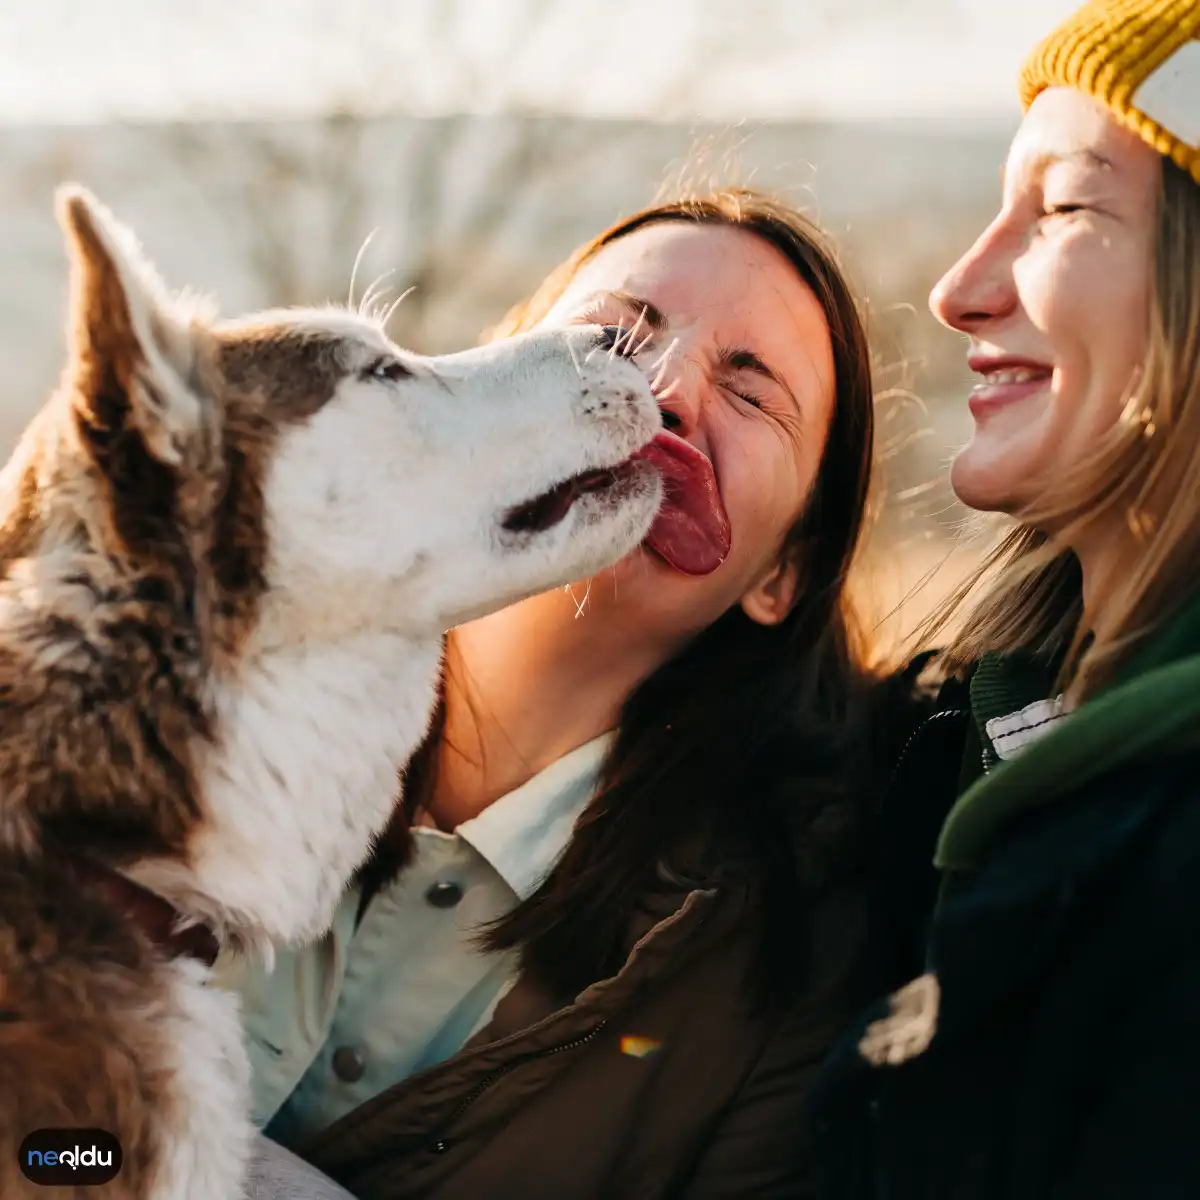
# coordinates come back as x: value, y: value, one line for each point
x: 628, y: 574
x: 641, y: 586
x: 981, y: 485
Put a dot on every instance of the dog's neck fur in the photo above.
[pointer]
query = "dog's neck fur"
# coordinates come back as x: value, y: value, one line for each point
x: 287, y: 752
x: 309, y: 740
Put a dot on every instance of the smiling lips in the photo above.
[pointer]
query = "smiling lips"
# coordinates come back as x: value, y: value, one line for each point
x: 1005, y: 381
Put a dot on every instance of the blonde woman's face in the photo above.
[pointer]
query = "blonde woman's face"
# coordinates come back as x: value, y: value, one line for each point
x: 1055, y: 299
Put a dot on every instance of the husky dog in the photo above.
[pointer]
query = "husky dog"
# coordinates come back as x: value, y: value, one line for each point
x: 228, y: 552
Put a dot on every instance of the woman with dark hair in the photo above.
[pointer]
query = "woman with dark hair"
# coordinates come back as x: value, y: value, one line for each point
x: 1043, y: 826
x: 618, y: 917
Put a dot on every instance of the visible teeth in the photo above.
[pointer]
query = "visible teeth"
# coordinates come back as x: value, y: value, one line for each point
x: 1015, y: 375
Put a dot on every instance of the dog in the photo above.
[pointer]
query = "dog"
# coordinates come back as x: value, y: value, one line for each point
x: 229, y: 550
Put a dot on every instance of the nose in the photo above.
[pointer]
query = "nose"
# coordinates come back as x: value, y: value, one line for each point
x: 980, y: 287
x: 680, y: 404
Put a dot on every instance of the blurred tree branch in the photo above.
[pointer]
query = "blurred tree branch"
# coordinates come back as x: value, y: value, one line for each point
x: 304, y: 194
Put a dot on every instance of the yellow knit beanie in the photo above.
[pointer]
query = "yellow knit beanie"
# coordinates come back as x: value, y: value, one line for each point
x: 1141, y: 59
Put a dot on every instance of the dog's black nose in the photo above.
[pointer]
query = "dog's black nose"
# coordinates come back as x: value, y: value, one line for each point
x: 615, y: 337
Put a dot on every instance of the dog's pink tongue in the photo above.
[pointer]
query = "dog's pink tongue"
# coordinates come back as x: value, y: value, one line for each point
x: 691, y: 531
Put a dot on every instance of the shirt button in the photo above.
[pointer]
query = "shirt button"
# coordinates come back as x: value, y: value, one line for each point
x: 443, y: 894
x: 348, y: 1064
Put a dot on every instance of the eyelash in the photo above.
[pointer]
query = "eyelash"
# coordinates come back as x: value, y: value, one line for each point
x: 749, y: 397
x: 601, y: 308
x: 592, y: 310
x: 1061, y: 210
x: 390, y: 369
x: 601, y: 312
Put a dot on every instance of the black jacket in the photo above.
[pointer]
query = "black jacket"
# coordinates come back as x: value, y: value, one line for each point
x: 1066, y: 1061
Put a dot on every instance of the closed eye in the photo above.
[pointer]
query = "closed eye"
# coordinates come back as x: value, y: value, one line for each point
x: 386, y: 369
x: 747, y: 396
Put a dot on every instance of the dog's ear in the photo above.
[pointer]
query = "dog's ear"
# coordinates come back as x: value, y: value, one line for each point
x: 135, y: 354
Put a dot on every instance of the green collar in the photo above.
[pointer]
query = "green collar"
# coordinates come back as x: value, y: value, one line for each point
x: 1150, y: 710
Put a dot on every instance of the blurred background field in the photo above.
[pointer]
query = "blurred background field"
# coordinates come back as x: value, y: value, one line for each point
x: 255, y: 143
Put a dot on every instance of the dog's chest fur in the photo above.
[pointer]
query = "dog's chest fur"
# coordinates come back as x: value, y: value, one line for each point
x: 306, y: 756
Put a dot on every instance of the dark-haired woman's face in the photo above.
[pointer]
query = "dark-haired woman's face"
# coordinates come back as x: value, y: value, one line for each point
x: 741, y: 353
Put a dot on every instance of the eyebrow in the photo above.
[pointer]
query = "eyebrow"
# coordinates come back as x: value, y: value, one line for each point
x: 1041, y: 163
x: 653, y: 316
x: 730, y: 360
x: 747, y: 360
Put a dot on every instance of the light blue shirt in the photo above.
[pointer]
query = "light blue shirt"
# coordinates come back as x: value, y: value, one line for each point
x: 341, y: 1019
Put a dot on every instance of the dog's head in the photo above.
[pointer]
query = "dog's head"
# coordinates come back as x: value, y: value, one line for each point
x: 318, y: 461
x: 203, y: 494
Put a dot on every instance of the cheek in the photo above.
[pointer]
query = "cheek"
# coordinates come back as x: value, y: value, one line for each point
x: 764, y: 480
x: 1089, y: 295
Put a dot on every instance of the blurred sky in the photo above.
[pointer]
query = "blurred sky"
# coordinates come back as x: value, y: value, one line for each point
x: 68, y: 61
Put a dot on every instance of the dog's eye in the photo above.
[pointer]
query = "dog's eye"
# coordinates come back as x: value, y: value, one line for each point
x: 389, y: 369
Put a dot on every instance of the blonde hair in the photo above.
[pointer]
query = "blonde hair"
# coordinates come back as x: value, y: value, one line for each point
x: 1147, y: 469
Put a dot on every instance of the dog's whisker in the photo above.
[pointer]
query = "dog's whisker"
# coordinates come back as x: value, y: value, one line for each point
x: 575, y: 361
x: 380, y: 304
x: 395, y: 304
x: 661, y: 392
x: 615, y: 348
x: 644, y: 343
x: 667, y: 352
x: 633, y: 332
x: 373, y: 292
x: 659, y: 366
x: 378, y: 300
x: 665, y: 394
x: 581, y: 605
x: 358, y: 258
x: 365, y: 298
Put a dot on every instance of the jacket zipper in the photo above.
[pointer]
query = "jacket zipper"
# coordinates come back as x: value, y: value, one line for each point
x: 439, y: 1145
x: 912, y: 738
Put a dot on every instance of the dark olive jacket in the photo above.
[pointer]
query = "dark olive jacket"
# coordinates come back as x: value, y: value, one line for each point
x: 664, y: 1080
x: 1057, y: 902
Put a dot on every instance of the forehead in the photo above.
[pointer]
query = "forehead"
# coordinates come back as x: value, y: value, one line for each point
x: 1065, y: 125
x: 293, y: 360
x: 728, y: 281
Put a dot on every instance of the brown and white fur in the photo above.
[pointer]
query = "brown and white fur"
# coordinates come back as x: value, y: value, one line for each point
x: 228, y: 552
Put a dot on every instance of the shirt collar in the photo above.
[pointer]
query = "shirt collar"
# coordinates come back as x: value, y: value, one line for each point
x: 524, y: 833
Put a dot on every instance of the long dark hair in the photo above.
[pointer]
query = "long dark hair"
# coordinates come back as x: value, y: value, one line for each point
x: 747, y: 741
x: 751, y: 741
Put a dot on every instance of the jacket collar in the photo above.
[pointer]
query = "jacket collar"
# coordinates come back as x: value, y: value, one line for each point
x: 1150, y: 710
x: 524, y: 833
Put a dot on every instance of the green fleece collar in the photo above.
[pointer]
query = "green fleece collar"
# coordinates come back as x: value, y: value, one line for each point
x: 1003, y: 685
x: 1151, y: 710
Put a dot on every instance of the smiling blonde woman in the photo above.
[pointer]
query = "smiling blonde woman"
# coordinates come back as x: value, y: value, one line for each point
x: 1049, y: 1044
